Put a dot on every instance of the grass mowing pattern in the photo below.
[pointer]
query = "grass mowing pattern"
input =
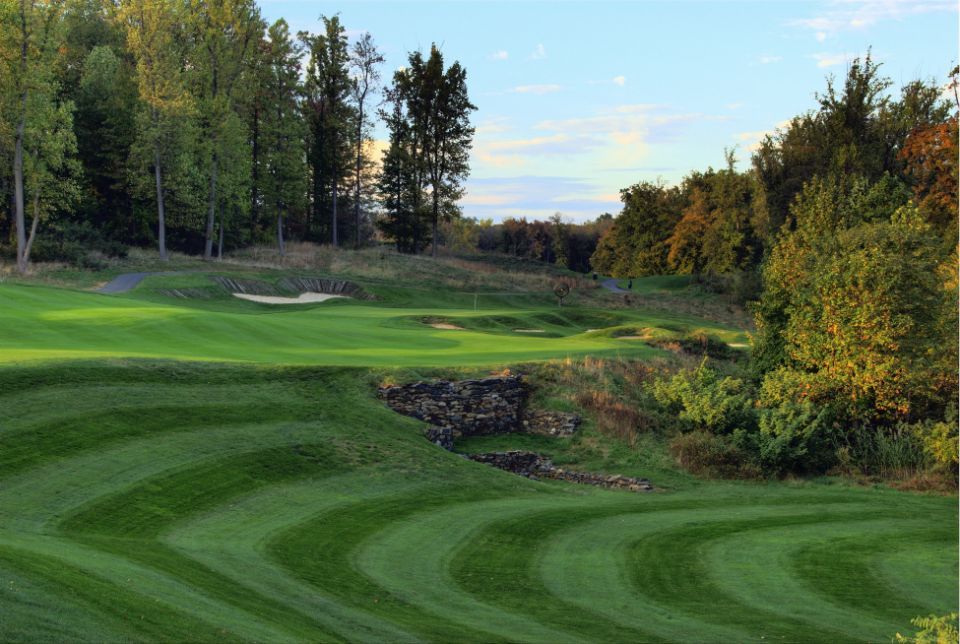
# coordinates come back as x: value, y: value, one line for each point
x: 169, y: 501
x: 42, y: 324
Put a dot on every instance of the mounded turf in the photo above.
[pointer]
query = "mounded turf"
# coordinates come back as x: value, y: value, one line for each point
x: 175, y: 501
x: 42, y: 323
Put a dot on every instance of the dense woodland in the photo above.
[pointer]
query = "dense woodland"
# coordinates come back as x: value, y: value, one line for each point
x: 195, y: 126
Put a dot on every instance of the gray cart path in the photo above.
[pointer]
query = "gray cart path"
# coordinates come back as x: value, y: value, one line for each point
x: 611, y: 285
x: 127, y: 281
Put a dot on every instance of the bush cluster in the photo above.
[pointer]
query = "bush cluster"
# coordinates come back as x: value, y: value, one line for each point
x: 729, y: 428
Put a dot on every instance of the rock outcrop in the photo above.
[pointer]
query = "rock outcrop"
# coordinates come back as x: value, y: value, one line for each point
x: 466, y: 407
x: 535, y: 466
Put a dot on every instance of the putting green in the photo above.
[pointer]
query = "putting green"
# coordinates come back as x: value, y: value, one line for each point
x: 187, y: 501
x: 43, y: 323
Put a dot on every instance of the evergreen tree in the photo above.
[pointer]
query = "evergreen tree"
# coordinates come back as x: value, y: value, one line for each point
x: 282, y: 129
x: 399, y: 184
x: 331, y: 119
x: 440, y: 108
x: 364, y: 62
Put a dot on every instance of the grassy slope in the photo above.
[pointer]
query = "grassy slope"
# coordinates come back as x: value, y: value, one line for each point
x: 48, y: 323
x: 184, y: 500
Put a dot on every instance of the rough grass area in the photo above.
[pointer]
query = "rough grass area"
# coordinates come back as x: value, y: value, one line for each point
x: 197, y: 502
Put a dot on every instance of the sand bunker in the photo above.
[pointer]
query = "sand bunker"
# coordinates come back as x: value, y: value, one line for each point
x: 303, y: 298
x: 446, y: 326
x: 528, y: 331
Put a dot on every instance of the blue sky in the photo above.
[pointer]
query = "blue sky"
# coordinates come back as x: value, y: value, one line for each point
x: 577, y: 100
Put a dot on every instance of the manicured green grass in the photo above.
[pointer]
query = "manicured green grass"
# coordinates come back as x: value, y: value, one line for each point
x: 219, y: 470
x: 190, y: 501
x: 43, y: 323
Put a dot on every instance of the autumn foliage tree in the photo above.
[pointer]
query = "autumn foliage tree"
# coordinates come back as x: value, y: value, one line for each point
x: 930, y: 156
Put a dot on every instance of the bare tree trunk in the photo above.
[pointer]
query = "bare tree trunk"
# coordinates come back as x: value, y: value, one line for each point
x: 356, y: 202
x: 436, y: 217
x: 33, y: 230
x: 18, y: 148
x: 280, y: 244
x: 220, y: 242
x: 211, y: 211
x: 334, y: 221
x: 161, y: 211
x: 255, y: 178
x: 18, y: 189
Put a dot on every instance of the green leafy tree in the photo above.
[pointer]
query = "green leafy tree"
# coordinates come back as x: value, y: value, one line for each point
x: 157, y: 42
x: 225, y: 33
x: 636, y: 244
x: 853, y: 301
x: 105, y: 122
x: 31, y: 34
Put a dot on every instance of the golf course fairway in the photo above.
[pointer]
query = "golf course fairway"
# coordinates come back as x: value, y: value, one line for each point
x: 178, y: 472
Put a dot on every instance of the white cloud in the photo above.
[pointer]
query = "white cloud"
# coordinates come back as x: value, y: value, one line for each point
x: 847, y: 15
x: 830, y: 60
x: 768, y: 60
x: 620, y: 80
x: 752, y: 140
x: 494, y: 125
x: 501, y: 54
x: 734, y: 106
x: 539, y: 52
x: 536, y: 89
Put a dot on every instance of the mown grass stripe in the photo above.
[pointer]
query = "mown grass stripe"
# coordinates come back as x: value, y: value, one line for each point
x: 129, y: 613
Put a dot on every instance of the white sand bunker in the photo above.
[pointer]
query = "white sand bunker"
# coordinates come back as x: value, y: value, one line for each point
x: 529, y: 331
x: 303, y: 298
x: 446, y: 326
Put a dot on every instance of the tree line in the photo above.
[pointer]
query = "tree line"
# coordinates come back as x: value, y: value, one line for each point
x: 847, y: 221
x: 192, y: 124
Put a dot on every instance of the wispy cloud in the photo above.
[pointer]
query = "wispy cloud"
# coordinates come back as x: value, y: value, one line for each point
x: 536, y: 89
x: 539, y: 52
x: 493, y: 125
x: 614, y: 137
x: 734, y: 106
x: 620, y: 80
x: 534, y: 196
x: 751, y: 140
x: 769, y: 60
x: 830, y: 60
x: 543, y: 145
x: 501, y: 54
x: 845, y: 15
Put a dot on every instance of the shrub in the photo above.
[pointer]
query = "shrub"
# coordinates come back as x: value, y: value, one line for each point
x: 889, y: 452
x: 707, y: 454
x: 795, y: 437
x: 934, y: 629
x: 704, y: 400
x: 939, y: 442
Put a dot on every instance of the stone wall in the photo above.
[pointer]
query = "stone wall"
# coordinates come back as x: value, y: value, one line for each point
x: 465, y: 408
x: 534, y: 466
